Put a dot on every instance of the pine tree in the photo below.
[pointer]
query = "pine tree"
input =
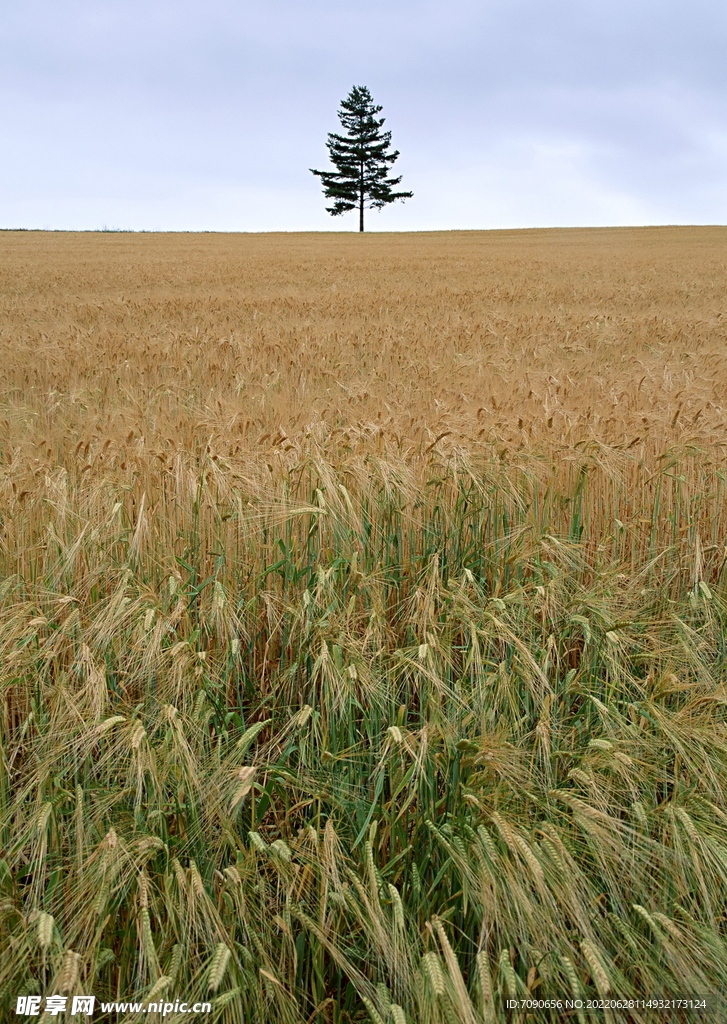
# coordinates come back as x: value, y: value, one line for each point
x: 362, y: 159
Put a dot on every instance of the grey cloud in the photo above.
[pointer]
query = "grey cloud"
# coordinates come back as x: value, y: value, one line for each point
x: 198, y: 110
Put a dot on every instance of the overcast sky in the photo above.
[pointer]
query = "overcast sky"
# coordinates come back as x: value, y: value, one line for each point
x: 192, y: 115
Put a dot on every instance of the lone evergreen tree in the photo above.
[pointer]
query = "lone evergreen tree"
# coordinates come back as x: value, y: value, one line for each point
x: 362, y: 159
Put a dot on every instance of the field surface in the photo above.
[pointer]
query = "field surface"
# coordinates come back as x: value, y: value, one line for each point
x: 363, y: 622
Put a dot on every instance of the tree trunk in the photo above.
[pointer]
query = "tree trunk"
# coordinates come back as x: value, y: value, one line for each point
x: 361, y: 203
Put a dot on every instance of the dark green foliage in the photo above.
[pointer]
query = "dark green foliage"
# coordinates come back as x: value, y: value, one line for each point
x: 362, y: 159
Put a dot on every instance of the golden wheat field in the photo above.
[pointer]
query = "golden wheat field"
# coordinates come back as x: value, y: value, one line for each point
x: 362, y: 624
x: 521, y: 336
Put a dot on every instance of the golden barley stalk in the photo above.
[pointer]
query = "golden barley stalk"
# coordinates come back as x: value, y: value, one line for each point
x: 45, y: 926
x: 464, y: 1004
x: 574, y: 983
x: 373, y: 1013
x: 69, y: 970
x: 246, y: 778
x: 159, y: 986
x: 485, y: 979
x: 432, y: 968
x: 597, y: 969
x: 218, y: 966
x: 398, y: 907
x: 508, y: 973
